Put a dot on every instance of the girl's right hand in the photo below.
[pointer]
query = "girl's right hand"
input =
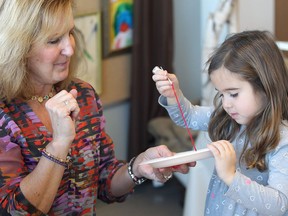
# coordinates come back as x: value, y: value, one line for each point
x: 163, y: 85
x: 225, y: 159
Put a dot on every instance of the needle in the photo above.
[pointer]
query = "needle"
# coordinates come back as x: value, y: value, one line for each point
x: 169, y: 81
x: 167, y: 77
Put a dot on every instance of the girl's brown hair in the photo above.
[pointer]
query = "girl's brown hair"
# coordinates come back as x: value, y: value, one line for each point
x: 255, y: 57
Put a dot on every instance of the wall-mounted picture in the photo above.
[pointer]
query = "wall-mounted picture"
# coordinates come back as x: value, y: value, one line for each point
x: 118, y: 25
x: 89, y: 27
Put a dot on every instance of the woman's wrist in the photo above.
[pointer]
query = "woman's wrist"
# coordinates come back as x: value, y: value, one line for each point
x: 59, y: 149
x: 134, y: 175
x: 57, y: 153
x: 65, y: 162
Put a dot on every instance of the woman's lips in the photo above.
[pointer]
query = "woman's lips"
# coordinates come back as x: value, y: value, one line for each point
x: 63, y: 64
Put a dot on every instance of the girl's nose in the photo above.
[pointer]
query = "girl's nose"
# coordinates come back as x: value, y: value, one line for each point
x: 226, y: 103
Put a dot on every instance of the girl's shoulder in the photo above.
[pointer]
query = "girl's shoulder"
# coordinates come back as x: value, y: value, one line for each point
x: 283, y: 136
x: 284, y: 129
x: 278, y: 156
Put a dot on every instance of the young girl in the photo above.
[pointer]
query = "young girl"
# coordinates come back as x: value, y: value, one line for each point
x: 247, y: 125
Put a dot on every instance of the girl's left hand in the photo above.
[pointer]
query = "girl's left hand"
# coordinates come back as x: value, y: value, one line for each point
x: 225, y: 160
x: 161, y: 174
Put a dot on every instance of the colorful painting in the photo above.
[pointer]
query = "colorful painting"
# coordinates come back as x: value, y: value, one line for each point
x: 90, y: 30
x: 118, y: 27
x: 121, y: 24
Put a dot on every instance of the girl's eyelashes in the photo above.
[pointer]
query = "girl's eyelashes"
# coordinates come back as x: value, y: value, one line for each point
x: 234, y: 95
x: 231, y: 95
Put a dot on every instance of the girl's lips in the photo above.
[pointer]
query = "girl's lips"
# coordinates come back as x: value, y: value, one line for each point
x: 233, y: 115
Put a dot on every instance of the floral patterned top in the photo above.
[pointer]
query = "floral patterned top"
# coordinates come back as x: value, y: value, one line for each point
x: 23, y: 136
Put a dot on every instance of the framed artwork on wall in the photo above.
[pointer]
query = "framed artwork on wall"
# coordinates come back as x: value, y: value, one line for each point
x: 117, y: 25
x: 89, y: 27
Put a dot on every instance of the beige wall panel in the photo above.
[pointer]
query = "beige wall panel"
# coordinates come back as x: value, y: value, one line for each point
x: 116, y: 70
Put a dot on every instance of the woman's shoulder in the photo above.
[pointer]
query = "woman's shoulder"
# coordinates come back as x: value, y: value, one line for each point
x: 79, y: 84
x: 6, y: 108
x: 7, y: 111
x: 86, y: 93
x: 82, y: 87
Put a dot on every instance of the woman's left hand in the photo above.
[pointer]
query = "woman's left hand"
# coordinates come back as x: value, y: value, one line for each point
x: 158, y: 174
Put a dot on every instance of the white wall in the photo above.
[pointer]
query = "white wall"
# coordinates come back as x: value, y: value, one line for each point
x: 117, y: 126
x: 256, y: 14
x: 187, y: 46
x: 190, y: 24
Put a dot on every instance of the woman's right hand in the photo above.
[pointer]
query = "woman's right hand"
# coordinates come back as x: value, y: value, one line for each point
x: 162, y: 81
x: 158, y: 174
x: 63, y: 110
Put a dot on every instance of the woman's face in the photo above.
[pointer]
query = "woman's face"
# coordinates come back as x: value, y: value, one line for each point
x: 48, y: 63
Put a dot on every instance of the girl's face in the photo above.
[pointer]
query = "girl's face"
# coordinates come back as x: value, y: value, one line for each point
x: 49, y: 62
x: 239, y: 99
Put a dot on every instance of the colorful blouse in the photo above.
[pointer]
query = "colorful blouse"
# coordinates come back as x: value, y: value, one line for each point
x: 23, y: 136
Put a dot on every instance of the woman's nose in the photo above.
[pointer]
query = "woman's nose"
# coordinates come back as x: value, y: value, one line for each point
x: 68, y: 46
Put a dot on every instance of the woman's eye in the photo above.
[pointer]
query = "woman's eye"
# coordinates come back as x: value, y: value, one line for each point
x: 54, y: 41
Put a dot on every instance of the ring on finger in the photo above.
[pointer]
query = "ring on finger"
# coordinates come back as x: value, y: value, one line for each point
x: 168, y: 177
x: 66, y: 102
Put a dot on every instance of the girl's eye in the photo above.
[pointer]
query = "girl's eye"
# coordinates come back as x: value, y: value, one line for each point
x: 231, y: 95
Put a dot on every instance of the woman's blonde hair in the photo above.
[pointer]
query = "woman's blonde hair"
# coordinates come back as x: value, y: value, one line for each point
x: 25, y: 23
x: 255, y: 57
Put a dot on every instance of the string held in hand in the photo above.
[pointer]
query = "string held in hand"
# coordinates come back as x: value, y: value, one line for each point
x: 179, y: 106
